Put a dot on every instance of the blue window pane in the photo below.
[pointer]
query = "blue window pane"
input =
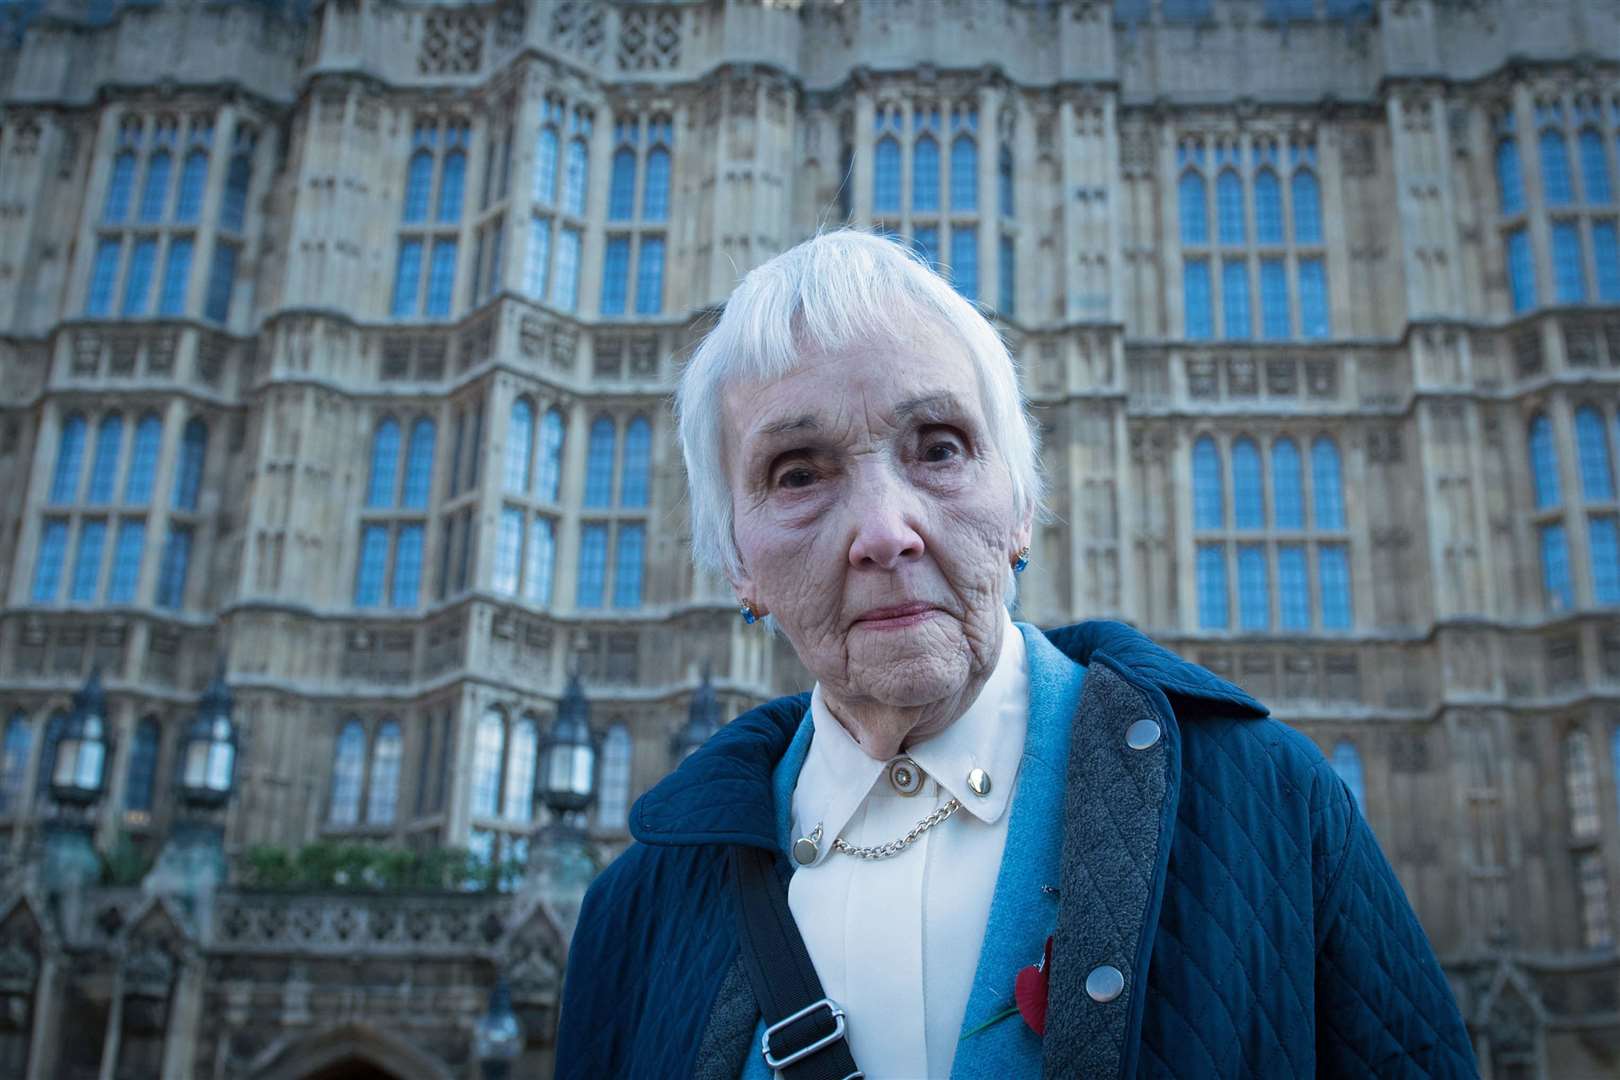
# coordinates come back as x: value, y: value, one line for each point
x: 155, y: 191
x: 655, y: 195
x: 368, y: 578
x: 1194, y: 205
x: 545, y: 166
x: 1555, y: 576
x: 189, y: 468
x: 627, y: 565
x: 508, y: 551
x: 925, y: 176
x: 193, y: 182
x: 965, y: 261
x: 1347, y: 763
x: 1268, y: 212
x: 348, y: 774
x: 574, y: 182
x: 1187, y: 10
x: 1606, y: 253
x: 519, y: 446
x: 1307, y: 208
x: 650, y: 276
x: 1594, y: 169
x: 1229, y: 209
x: 1287, y: 495
x: 566, y: 293
x: 1333, y: 565
x: 1313, y: 304
x: 599, y: 463
x: 126, y: 568
x: 592, y: 566
x: 176, y: 277
x: 418, y: 186
x: 1521, y: 270
x: 104, y: 466
x: 548, y: 470
x: 1248, y: 498
x: 1212, y: 610
x: 1254, y: 588
x: 419, y: 464
x: 441, y: 278
x: 451, y: 185
x: 637, y: 463
x: 120, y: 187
x: 1209, y: 496
x: 138, y: 280
x: 1605, y: 542
x: 104, y: 277
x: 1007, y: 271
x: 87, y: 562
x: 221, y: 282
x: 1004, y: 180
x: 1327, y: 485
x: 615, y: 275
x: 926, y: 242
x: 384, y: 462
x: 1195, y: 286
x: 964, y: 173
x: 1597, y: 477
x: 173, y: 567
x: 69, y: 460
x: 233, y: 207
x: 14, y: 770
x: 1273, y: 299
x: 622, y: 186
x: 382, y: 799
x: 1555, y: 177
x: 143, y: 461
x: 143, y: 754
x: 1509, y: 177
x: 1544, y: 462
x: 540, y: 561
x: 407, y: 279
x: 52, y: 557
x: 1235, y: 298
x: 537, y: 261
x: 1293, y: 587
x: 1569, y: 277
x: 886, y: 176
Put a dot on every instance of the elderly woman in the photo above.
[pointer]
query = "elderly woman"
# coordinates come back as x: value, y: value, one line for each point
x: 974, y: 848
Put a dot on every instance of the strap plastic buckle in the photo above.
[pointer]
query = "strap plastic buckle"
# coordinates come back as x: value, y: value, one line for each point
x: 833, y: 1008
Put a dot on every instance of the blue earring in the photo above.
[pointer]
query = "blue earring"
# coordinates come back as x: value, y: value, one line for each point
x: 1021, y: 560
x: 747, y: 609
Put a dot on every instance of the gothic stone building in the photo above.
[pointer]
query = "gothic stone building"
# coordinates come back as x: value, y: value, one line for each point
x: 335, y: 348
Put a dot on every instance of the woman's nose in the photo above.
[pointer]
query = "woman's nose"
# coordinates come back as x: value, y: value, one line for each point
x: 883, y: 532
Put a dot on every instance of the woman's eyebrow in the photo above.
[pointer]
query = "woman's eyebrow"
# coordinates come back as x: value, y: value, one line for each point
x: 930, y: 405
x: 806, y: 422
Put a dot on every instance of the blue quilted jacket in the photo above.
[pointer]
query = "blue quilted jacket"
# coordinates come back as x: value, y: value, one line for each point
x: 1224, y: 871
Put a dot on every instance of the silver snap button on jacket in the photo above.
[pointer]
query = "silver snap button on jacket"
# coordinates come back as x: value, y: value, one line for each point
x: 1104, y: 983
x: 1142, y: 734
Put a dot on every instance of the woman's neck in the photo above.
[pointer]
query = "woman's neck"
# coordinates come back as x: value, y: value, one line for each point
x: 883, y: 731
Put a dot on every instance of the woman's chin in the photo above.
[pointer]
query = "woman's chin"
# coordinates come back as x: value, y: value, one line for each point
x: 902, y: 679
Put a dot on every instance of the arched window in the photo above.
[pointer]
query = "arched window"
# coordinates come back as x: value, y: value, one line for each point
x: 47, y: 755
x: 1236, y: 320
x: 925, y: 175
x: 886, y: 176
x: 419, y: 464
x: 655, y: 195
x: 1254, y: 588
x: 418, y: 186
x: 348, y: 773
x: 622, y: 185
x: 1544, y: 462
x: 545, y: 166
x: 104, y: 468
x: 964, y: 173
x: 517, y: 802
x: 489, y: 748
x: 1268, y: 213
x: 542, y: 559
x: 451, y: 185
x: 1555, y: 178
x: 613, y: 808
x: 637, y: 463
x: 1327, y: 488
x: 143, y: 760
x: 382, y: 800
x: 1592, y: 442
x: 193, y: 180
x: 519, y: 440
x: 143, y: 461
x: 69, y: 460
x: 1509, y: 177
x: 238, y: 178
x: 1594, y: 169
x: 368, y: 578
x: 1287, y: 494
x: 14, y: 763
x: 1248, y: 498
x: 155, y: 192
x: 120, y: 187
x: 1208, y: 495
x: 1194, y: 203
x: 1346, y: 762
x: 1229, y: 208
x: 1212, y: 602
x: 189, y: 469
x: 548, y: 471
x: 599, y: 463
x: 1004, y: 180
x: 578, y: 174
x: 1307, y: 208
x: 384, y: 463
x: 628, y: 565
x: 1580, y: 786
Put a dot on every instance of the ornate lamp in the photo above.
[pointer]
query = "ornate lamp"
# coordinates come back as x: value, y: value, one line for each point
x: 79, y: 772
x: 702, y: 720
x: 208, y: 755
x: 498, y: 1037
x: 567, y: 779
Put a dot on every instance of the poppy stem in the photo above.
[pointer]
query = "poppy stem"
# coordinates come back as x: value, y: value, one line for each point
x: 1010, y: 1010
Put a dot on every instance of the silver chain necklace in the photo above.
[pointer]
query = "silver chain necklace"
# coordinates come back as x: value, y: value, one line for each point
x: 893, y: 847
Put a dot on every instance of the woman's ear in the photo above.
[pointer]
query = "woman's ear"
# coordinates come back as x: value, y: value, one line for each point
x: 743, y: 585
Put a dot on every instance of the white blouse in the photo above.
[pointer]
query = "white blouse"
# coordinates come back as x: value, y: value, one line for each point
x: 896, y: 941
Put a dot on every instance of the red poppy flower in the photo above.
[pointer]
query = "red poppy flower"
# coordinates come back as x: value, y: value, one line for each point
x: 1029, y: 991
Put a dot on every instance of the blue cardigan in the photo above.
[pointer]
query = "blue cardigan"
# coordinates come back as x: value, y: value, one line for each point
x: 1224, y: 871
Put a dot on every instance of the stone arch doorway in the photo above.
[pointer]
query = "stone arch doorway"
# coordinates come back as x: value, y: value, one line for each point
x: 351, y: 1051
x: 352, y: 1069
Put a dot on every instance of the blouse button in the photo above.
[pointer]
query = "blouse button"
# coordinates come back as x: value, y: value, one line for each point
x: 1104, y: 983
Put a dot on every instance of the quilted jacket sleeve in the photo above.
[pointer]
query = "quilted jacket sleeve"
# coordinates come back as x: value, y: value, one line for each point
x: 1383, y: 1005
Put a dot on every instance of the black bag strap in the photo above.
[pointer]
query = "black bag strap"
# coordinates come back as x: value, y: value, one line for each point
x: 804, y: 1030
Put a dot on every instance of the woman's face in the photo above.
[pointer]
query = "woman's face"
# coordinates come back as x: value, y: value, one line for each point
x: 874, y: 519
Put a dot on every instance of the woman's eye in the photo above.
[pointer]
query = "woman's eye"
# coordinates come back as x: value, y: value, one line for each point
x: 943, y: 450
x: 796, y: 478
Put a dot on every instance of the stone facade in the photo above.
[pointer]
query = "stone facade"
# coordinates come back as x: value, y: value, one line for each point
x: 338, y: 331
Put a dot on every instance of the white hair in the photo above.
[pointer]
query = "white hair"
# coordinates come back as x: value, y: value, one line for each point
x: 836, y: 290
